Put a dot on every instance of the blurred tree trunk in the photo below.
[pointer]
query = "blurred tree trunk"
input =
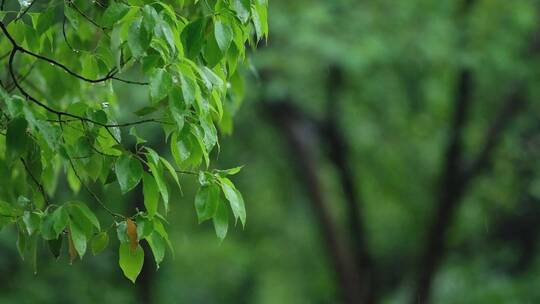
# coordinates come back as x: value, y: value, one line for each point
x: 300, y: 137
x: 338, y: 153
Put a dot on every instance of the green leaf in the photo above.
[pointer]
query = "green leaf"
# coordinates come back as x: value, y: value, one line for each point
x: 54, y: 223
x: 157, y: 245
x: 128, y: 172
x: 72, y: 16
x: 45, y: 20
x: 99, y: 242
x: 145, y: 227
x: 157, y: 172
x: 180, y: 149
x: 121, y: 232
x: 16, y: 138
x: 22, y: 240
x: 60, y: 220
x: 83, y: 219
x: 206, y: 202
x: 241, y: 7
x: 231, y: 171
x: 164, y: 30
x: 212, y: 52
x: 171, y: 170
x: 151, y: 194
x: 138, y: 39
x: 223, y: 34
x: 55, y: 247
x: 131, y: 261
x: 87, y: 213
x: 114, y: 13
x: 221, y: 220
x: 160, y: 84
x: 235, y: 199
x: 8, y: 210
x: 78, y: 236
x: 32, y: 221
x: 193, y: 37
x: 259, y: 18
x: 160, y: 229
x: 146, y: 110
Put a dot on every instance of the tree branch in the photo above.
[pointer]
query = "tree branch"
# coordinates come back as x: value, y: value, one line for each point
x: 61, y: 113
x: 509, y: 109
x: 450, y: 190
x: 338, y: 153
x: 294, y: 128
x: 25, y: 11
x: 35, y: 180
x: 110, y: 75
x: 71, y: 3
x: 94, y: 195
x: 455, y: 181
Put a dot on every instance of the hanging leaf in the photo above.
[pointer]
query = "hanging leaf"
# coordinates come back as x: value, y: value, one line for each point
x: 223, y: 34
x: 206, y: 202
x: 235, y: 199
x: 16, y: 138
x: 151, y: 194
x: 131, y: 261
x: 128, y: 172
x: 157, y: 245
x: 221, y: 220
x: 99, y: 242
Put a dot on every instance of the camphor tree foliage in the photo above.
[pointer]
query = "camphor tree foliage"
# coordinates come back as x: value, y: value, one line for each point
x: 60, y: 111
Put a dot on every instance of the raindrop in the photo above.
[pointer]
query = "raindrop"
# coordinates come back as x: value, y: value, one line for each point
x: 25, y: 3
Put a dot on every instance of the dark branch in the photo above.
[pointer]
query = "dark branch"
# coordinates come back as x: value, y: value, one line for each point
x: 94, y: 195
x: 61, y: 113
x: 65, y: 36
x: 455, y: 182
x: 34, y: 179
x: 22, y: 78
x: 450, y: 190
x: 338, y: 153
x: 25, y: 11
x: 509, y: 109
x: 85, y: 16
x: 295, y: 128
x: 110, y: 75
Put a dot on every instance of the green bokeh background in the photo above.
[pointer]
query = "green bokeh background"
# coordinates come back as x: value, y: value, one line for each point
x: 401, y: 60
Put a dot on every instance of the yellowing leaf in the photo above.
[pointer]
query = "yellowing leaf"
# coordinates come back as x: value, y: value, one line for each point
x: 131, y: 231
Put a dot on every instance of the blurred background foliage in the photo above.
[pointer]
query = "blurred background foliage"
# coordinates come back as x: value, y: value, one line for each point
x: 401, y: 63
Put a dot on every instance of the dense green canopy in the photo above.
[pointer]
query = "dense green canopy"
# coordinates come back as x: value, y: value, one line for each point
x: 82, y: 80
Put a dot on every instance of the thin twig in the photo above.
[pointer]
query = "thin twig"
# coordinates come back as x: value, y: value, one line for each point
x: 62, y: 113
x: 110, y: 75
x: 87, y: 17
x: 38, y: 184
x: 25, y: 11
x: 65, y: 36
x: 94, y: 195
x: 22, y: 78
